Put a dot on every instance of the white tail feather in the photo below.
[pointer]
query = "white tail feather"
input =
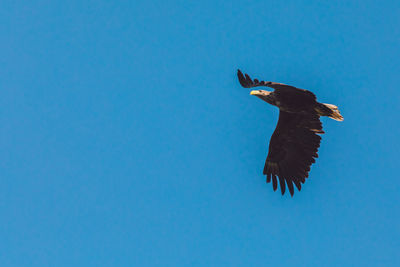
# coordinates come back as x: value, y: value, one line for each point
x: 336, y: 113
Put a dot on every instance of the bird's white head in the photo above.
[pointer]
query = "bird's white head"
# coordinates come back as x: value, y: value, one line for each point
x: 267, y: 96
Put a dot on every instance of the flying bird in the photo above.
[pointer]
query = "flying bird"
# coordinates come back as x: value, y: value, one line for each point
x: 294, y: 144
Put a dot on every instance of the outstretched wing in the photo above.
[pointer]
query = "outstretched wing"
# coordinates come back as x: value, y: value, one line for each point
x: 292, y: 149
x: 247, y: 82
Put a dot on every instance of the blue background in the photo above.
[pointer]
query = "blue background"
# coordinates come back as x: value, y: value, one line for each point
x: 126, y: 139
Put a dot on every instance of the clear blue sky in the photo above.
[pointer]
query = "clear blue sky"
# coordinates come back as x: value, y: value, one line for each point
x: 126, y: 139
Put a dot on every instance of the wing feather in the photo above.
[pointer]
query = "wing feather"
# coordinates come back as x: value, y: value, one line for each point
x: 247, y: 82
x: 292, y: 149
x: 274, y: 182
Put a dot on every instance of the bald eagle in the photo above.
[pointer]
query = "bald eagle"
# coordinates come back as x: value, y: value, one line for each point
x: 294, y: 144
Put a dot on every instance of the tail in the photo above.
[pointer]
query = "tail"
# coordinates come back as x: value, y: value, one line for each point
x: 329, y: 110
